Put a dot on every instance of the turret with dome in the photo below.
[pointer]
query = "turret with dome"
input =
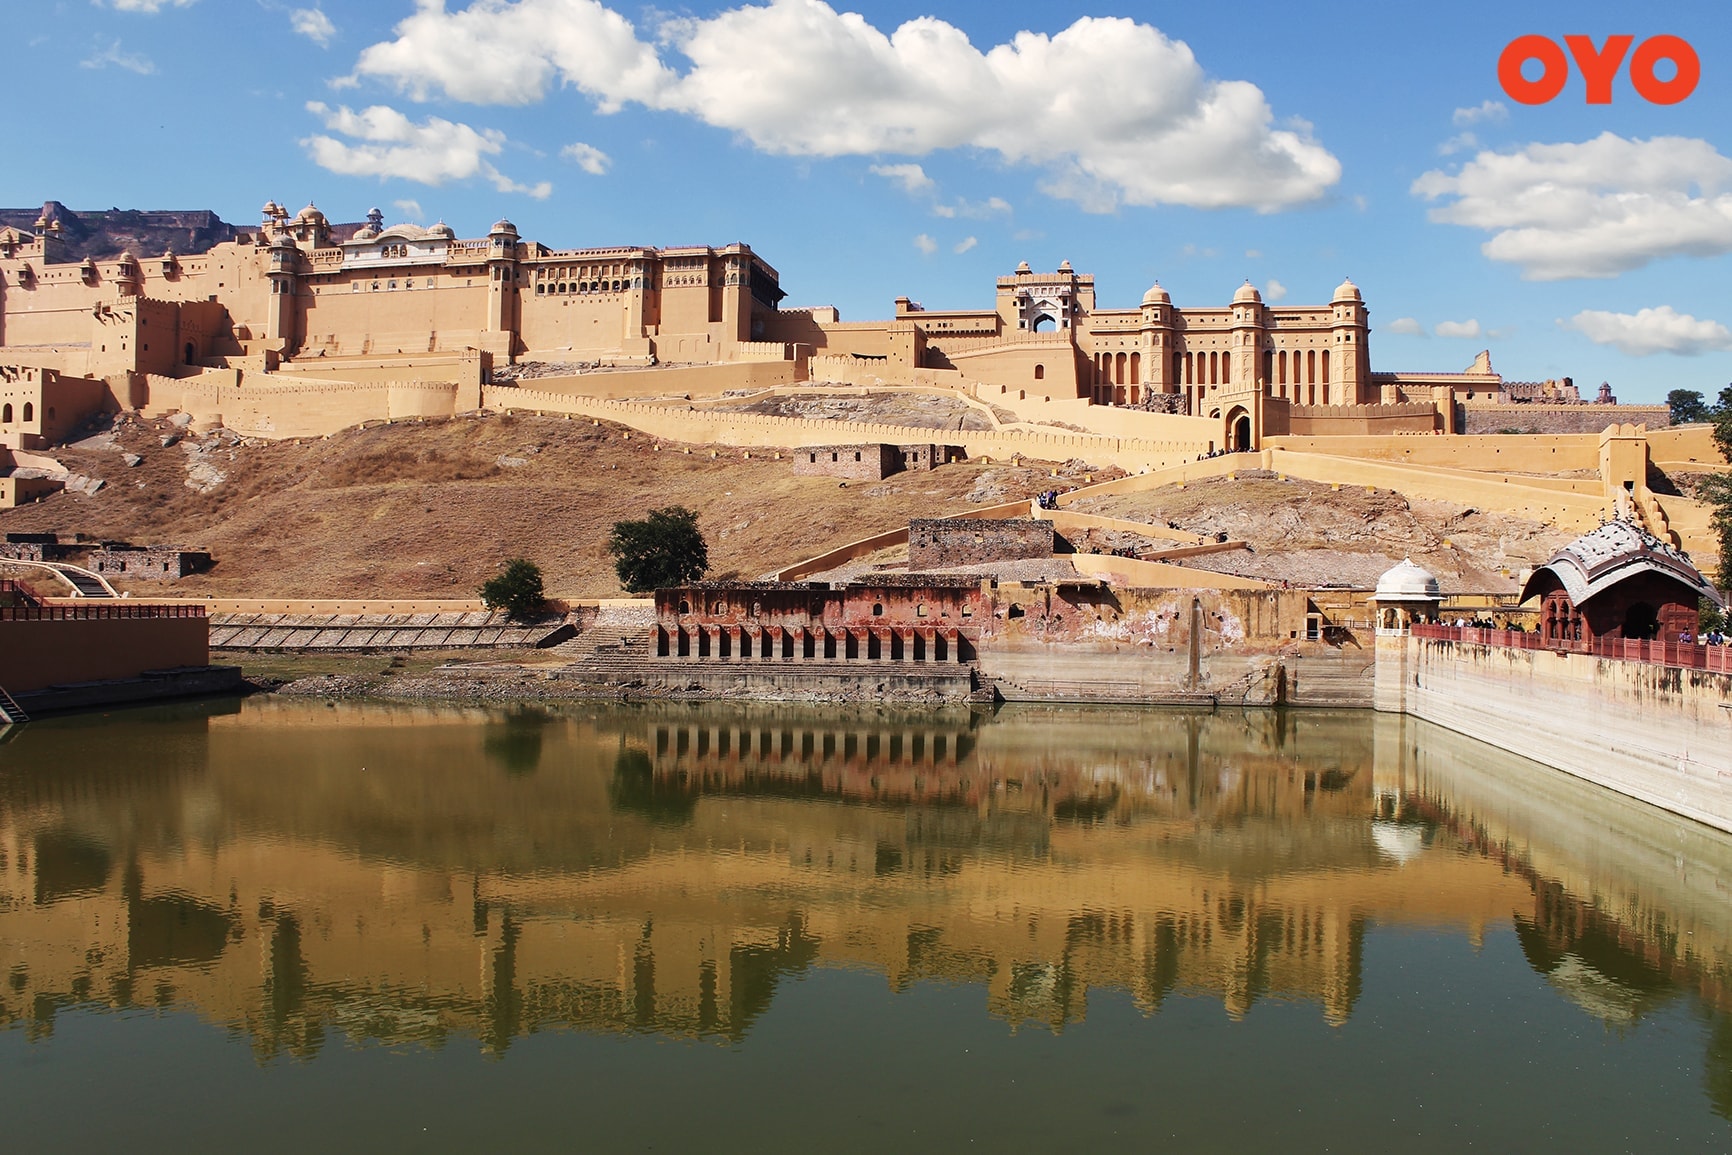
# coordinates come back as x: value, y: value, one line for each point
x: 1406, y: 593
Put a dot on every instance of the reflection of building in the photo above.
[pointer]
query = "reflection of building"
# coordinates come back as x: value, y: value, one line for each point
x: 474, y: 882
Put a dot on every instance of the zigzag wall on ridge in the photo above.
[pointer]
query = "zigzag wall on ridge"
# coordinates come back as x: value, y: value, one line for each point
x: 750, y: 430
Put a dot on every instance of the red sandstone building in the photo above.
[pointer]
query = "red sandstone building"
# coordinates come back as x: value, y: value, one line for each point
x: 897, y: 618
x: 1618, y: 582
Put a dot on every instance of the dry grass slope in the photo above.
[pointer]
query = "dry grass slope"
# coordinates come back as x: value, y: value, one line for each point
x: 429, y: 508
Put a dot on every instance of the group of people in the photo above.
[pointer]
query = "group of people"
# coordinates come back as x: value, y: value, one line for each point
x: 1712, y: 638
x: 1487, y: 624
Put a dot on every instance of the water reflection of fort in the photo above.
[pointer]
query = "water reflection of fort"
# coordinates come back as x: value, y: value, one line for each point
x: 299, y: 870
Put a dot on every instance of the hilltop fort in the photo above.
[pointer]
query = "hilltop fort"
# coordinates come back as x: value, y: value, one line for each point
x: 301, y: 326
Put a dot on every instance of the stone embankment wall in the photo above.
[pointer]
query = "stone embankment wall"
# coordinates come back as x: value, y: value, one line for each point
x: 1492, y: 418
x: 36, y: 654
x: 940, y: 543
x: 1246, y: 647
x: 1653, y: 732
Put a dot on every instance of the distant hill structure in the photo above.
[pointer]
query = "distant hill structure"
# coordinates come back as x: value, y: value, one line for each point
x: 100, y: 234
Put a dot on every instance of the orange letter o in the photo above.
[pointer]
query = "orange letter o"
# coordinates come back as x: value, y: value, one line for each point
x: 1650, y: 87
x: 1524, y: 48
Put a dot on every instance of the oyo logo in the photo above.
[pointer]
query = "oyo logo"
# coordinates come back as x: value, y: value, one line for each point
x: 1599, y: 67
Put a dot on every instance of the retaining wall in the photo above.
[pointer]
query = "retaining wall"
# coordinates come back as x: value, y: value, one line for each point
x: 37, y: 654
x: 1657, y: 733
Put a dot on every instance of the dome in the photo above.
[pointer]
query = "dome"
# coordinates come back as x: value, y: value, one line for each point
x: 502, y: 226
x: 270, y: 209
x: 310, y: 214
x: 1022, y: 267
x: 1346, y: 291
x: 1247, y: 295
x: 1407, y: 583
x: 441, y: 229
x: 1064, y: 267
x: 1156, y: 295
x: 283, y: 241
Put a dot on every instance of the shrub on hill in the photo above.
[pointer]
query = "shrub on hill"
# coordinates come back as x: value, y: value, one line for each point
x: 516, y: 589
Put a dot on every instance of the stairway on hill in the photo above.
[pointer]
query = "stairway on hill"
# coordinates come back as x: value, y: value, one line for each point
x: 617, y: 631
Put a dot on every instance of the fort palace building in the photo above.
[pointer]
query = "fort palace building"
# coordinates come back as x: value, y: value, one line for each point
x: 300, y: 314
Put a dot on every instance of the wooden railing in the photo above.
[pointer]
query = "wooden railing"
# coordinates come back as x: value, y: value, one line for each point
x: 97, y: 611
x: 1688, y: 655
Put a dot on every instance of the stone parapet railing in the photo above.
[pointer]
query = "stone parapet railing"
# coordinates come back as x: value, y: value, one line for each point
x: 1687, y: 655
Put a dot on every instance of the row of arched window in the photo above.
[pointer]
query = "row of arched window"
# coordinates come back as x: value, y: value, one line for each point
x: 6, y: 413
x: 582, y: 287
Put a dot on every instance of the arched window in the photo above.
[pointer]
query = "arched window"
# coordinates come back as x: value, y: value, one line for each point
x: 1119, y: 369
x: 5, y: 414
x: 29, y: 411
x: 1136, y: 368
x: 1311, y: 369
x: 1281, y: 368
x: 1040, y: 372
x: 1324, y: 376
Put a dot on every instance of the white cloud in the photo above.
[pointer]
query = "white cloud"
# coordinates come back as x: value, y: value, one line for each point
x: 1254, y: 254
x: 1405, y: 326
x: 513, y: 51
x: 973, y: 210
x: 1115, y: 111
x: 1486, y: 112
x: 1467, y: 328
x: 148, y: 7
x: 1648, y: 331
x: 964, y: 245
x: 926, y: 244
x: 314, y: 25
x: 392, y: 145
x: 113, y: 54
x: 588, y: 157
x: 1594, y: 209
x: 1460, y: 142
x: 911, y: 177
x: 410, y: 208
x: 1274, y: 290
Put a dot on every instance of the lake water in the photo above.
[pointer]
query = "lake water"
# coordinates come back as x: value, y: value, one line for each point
x: 292, y: 925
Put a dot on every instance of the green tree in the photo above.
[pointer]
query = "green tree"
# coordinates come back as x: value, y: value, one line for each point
x: 1716, y: 490
x: 1687, y: 407
x: 1721, y: 415
x: 664, y: 549
x: 516, y: 589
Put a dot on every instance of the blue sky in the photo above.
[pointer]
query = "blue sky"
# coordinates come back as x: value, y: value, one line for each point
x: 924, y: 148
